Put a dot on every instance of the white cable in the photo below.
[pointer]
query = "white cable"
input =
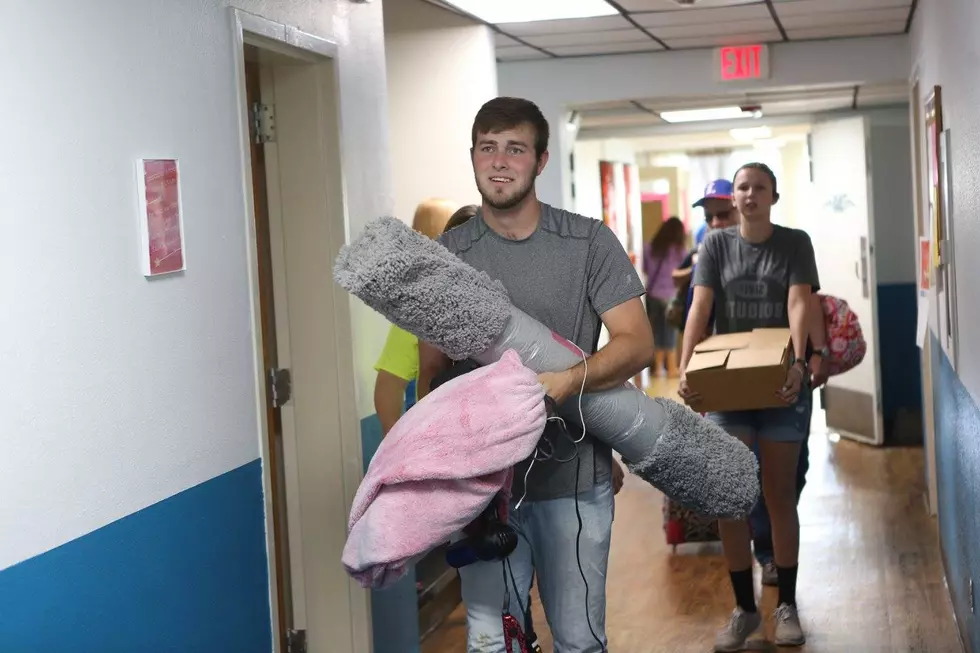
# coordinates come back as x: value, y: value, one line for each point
x: 581, y: 416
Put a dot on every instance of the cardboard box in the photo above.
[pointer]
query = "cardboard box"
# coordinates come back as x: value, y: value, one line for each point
x: 740, y: 371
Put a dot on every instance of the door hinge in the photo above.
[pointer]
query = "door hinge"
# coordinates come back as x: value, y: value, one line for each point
x: 296, y: 641
x: 263, y: 123
x: 281, y: 382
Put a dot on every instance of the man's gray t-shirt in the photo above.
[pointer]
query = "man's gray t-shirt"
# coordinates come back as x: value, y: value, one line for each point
x: 752, y: 280
x: 565, y: 275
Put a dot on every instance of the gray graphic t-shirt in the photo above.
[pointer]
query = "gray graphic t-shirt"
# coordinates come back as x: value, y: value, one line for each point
x: 752, y: 280
x: 566, y: 274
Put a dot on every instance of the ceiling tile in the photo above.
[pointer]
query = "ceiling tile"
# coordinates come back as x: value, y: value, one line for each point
x: 714, y: 29
x: 610, y: 48
x: 724, y: 39
x: 631, y: 35
x: 565, y: 26
x: 806, y: 7
x: 834, y: 18
x: 703, y: 16
x: 519, y: 53
x: 671, y: 5
x: 866, y: 29
x: 502, y: 41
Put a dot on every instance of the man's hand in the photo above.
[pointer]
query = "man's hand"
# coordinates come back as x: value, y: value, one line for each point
x: 560, y: 386
x: 818, y: 371
x: 618, y: 477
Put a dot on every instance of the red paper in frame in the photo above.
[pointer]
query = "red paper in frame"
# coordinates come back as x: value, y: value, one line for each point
x: 925, y: 258
x: 163, y: 238
x: 634, y: 220
x: 607, y: 177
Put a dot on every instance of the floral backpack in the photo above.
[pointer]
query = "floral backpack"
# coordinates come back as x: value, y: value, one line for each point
x: 844, y: 337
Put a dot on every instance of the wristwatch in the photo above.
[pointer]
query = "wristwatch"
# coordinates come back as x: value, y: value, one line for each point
x: 823, y: 352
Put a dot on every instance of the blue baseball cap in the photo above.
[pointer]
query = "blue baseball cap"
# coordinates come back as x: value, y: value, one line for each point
x: 719, y: 189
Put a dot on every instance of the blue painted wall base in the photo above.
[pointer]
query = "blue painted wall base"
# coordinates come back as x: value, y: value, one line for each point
x: 958, y: 481
x: 188, y: 574
x: 394, y: 611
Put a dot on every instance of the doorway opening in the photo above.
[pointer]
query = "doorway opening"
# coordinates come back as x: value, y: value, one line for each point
x: 309, y: 432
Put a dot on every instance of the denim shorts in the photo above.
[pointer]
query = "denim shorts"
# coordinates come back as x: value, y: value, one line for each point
x: 790, y: 424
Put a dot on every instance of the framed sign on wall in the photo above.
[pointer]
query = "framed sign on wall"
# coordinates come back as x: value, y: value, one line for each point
x: 160, y: 216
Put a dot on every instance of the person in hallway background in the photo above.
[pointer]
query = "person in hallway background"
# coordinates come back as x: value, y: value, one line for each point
x: 572, y: 274
x: 461, y: 216
x: 661, y: 256
x: 719, y: 213
x: 760, y: 275
x: 395, y: 387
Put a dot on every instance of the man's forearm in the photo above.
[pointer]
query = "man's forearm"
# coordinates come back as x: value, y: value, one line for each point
x: 623, y: 357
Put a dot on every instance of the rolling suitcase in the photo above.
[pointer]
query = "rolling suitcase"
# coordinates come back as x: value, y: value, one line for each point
x: 683, y: 525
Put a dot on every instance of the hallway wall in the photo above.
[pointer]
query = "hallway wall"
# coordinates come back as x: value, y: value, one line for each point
x: 944, y: 52
x: 132, y: 511
x: 441, y: 68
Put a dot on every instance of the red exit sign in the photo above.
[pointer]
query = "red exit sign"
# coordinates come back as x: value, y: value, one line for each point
x: 740, y: 62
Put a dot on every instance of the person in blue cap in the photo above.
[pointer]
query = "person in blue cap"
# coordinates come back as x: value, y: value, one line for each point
x: 719, y: 212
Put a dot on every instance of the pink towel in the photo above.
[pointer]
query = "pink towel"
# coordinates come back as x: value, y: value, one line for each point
x: 440, y: 466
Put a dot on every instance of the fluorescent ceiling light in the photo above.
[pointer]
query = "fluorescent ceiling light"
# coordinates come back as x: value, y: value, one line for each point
x: 746, y: 134
x: 719, y: 113
x: 526, y: 11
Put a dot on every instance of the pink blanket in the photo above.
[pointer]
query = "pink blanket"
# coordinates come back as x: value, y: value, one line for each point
x: 440, y: 466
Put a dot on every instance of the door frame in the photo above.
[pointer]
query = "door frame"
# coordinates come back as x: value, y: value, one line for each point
x: 918, y: 196
x: 327, y: 474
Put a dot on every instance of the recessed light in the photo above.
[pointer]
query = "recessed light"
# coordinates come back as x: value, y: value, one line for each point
x: 526, y: 11
x: 717, y: 113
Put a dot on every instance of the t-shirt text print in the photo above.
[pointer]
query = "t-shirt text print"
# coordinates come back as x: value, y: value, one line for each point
x: 751, y: 281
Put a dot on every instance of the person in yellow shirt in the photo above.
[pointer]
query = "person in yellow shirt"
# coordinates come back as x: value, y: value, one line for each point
x: 395, y: 388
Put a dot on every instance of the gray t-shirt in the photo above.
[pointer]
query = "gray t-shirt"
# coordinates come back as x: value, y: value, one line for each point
x: 565, y: 275
x: 752, y: 280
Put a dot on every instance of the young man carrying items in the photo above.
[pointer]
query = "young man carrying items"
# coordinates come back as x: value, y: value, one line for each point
x: 570, y: 273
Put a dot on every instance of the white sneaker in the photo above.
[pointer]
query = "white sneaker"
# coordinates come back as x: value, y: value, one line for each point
x: 769, y: 574
x: 740, y: 626
x: 788, y: 630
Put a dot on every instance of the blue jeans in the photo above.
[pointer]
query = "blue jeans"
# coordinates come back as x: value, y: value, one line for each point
x: 546, y: 548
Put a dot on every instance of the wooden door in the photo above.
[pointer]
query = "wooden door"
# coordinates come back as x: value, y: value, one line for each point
x: 270, y: 360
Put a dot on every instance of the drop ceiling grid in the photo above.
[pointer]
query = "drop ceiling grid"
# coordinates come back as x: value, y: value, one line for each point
x: 683, y: 27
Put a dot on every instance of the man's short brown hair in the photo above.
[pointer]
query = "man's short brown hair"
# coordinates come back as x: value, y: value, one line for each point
x: 503, y: 113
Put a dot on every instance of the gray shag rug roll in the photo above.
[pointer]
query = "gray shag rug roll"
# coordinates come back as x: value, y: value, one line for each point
x: 700, y: 466
x: 424, y: 288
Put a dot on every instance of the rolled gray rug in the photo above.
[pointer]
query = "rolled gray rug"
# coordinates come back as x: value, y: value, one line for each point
x: 419, y: 285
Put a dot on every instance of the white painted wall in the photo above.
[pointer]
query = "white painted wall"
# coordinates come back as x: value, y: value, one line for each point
x: 119, y: 392
x: 441, y: 68
x: 558, y: 84
x: 588, y: 184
